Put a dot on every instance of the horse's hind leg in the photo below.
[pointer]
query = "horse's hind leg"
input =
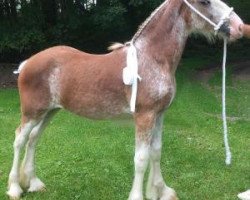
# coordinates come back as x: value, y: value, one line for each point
x: 156, y: 187
x: 28, y: 178
x: 22, y: 134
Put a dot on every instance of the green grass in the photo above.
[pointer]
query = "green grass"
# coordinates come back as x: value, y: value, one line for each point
x: 82, y: 159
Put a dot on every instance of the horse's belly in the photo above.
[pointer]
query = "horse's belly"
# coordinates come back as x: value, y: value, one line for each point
x: 104, y: 112
x: 98, y: 106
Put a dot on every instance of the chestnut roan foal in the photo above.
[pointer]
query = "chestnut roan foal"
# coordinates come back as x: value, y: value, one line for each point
x: 92, y: 86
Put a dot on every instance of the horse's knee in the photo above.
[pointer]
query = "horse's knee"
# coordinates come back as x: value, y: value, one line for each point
x: 19, y: 142
x: 22, y: 134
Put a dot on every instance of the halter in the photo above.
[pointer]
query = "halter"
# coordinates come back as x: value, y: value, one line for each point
x: 217, y: 27
x: 130, y: 73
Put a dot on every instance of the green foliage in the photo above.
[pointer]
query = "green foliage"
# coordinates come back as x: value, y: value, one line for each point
x: 152, y: 3
x: 114, y: 14
x: 22, y: 41
x: 35, y: 24
x: 241, y: 7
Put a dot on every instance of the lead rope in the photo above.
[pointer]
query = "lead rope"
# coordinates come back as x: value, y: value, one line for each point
x: 224, y: 116
x: 130, y: 74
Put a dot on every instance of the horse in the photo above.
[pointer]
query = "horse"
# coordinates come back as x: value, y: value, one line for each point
x: 92, y: 86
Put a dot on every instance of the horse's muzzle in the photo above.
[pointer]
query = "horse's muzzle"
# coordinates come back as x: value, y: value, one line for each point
x: 235, y: 27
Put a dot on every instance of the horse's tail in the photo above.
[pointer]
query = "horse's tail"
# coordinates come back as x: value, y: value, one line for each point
x: 116, y: 46
x: 21, y: 66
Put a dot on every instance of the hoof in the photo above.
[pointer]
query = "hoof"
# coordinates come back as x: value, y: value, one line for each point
x: 169, y: 194
x: 133, y: 196
x: 36, y: 185
x: 15, y: 191
x: 244, y: 195
x: 165, y: 193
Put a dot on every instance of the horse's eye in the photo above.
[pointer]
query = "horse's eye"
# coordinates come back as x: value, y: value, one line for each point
x: 205, y: 2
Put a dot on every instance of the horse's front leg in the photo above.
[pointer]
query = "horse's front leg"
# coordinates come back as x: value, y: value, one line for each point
x: 144, y: 124
x: 156, y: 187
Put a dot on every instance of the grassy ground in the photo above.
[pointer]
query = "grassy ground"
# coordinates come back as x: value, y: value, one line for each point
x: 81, y: 159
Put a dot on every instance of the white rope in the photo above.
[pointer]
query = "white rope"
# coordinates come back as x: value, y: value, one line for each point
x: 199, y: 13
x: 224, y: 115
x: 130, y: 74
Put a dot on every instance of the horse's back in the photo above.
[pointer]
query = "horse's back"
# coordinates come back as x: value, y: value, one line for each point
x: 86, y: 84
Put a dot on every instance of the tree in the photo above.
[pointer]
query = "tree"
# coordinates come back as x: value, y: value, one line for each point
x: 13, y: 11
x: 27, y: 26
x: 49, y: 10
x: 1, y: 9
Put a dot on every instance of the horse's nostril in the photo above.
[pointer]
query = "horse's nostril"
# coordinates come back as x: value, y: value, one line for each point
x: 225, y: 29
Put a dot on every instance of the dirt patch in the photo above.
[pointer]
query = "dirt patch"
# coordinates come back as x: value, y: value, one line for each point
x: 204, y: 75
x: 7, y: 78
x: 231, y: 119
x: 240, y: 71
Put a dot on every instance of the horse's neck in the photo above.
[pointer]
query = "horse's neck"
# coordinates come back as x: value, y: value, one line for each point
x: 164, y: 38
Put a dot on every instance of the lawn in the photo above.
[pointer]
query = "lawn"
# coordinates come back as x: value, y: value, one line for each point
x: 82, y: 159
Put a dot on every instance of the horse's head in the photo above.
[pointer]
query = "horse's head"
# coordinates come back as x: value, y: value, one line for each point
x: 219, y: 13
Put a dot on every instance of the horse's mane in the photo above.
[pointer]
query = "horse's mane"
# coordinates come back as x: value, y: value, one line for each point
x: 116, y: 46
x: 149, y: 19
